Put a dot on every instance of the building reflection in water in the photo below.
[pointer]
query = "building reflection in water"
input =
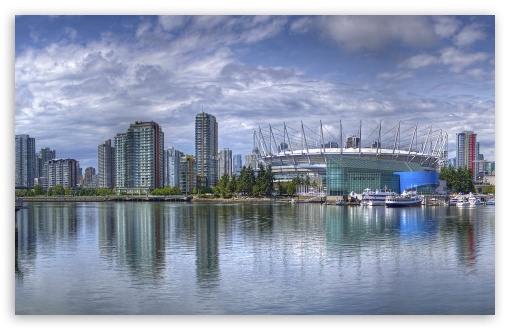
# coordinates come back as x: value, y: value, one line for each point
x: 43, y: 229
x: 133, y: 234
x: 143, y: 238
x: 207, y: 253
x: 348, y: 227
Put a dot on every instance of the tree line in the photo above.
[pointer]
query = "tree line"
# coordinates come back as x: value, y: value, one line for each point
x: 248, y: 183
x: 458, y: 180
x: 59, y: 190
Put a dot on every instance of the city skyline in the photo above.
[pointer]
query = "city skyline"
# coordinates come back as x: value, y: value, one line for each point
x: 98, y: 74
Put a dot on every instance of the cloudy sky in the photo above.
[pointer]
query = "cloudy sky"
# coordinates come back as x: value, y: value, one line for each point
x: 80, y: 80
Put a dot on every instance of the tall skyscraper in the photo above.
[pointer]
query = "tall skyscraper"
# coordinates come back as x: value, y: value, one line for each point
x: 251, y: 159
x: 172, y: 163
x: 25, y: 169
x: 206, y: 148
x: 187, y: 174
x: 139, y: 156
x: 106, y: 164
x: 63, y: 172
x: 467, y: 151
x: 45, y: 155
x: 89, y: 177
x: 224, y: 162
x: 237, y: 163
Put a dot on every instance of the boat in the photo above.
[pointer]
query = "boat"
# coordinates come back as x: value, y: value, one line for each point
x: 453, y: 201
x: 375, y: 198
x: 408, y: 198
x: 490, y: 201
x: 462, y: 202
x: 473, y: 200
x: 339, y: 202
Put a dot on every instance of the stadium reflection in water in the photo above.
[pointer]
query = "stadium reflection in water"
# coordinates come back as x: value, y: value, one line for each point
x: 174, y: 258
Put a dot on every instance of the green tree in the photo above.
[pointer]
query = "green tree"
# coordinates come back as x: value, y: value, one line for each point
x: 265, y: 180
x: 222, y: 186
x: 58, y: 190
x: 166, y: 191
x: 246, y: 180
x: 489, y: 190
x: 457, y: 180
x: 288, y: 187
x: 38, y: 190
x: 232, y: 184
x: 465, y: 181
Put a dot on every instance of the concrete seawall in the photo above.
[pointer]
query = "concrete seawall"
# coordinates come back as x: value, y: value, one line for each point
x: 149, y: 198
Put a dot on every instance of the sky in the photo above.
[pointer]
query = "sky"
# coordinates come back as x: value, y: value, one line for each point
x: 251, y: 73
x: 80, y: 80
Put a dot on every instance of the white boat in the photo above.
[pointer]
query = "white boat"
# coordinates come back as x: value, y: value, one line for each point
x: 462, y: 202
x: 375, y: 198
x: 453, y: 201
x: 408, y: 198
x: 473, y: 200
x: 339, y: 202
x: 491, y: 201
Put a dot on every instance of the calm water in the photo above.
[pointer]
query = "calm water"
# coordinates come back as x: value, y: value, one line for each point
x: 178, y: 258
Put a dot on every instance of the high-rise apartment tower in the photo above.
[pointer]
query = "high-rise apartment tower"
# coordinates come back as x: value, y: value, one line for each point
x: 467, y: 151
x: 224, y: 162
x: 106, y: 165
x: 206, y: 148
x: 172, y: 163
x: 139, y: 156
x: 25, y: 164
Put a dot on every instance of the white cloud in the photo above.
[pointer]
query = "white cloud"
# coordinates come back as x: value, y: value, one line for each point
x: 469, y: 35
x: 168, y: 74
x: 422, y: 60
x: 377, y: 32
x: 446, y: 26
x: 458, y: 60
x: 172, y: 22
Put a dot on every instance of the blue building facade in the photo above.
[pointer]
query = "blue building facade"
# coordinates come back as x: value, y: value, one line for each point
x: 422, y: 182
x: 345, y: 174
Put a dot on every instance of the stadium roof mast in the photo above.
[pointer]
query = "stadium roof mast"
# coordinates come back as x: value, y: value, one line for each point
x: 425, y: 144
x: 271, y: 135
x: 412, y: 141
x: 285, y: 132
x: 379, y: 139
x: 323, y: 146
x: 439, y: 153
x: 359, y: 146
x: 397, y: 136
x: 341, y: 142
x: 306, y: 143
x: 263, y: 146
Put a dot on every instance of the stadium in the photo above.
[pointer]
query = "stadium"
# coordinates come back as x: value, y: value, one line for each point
x: 399, y: 158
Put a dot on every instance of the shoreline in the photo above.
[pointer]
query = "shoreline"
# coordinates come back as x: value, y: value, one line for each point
x: 178, y: 198
x: 151, y: 198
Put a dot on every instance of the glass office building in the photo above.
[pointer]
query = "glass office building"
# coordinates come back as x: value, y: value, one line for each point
x: 345, y: 174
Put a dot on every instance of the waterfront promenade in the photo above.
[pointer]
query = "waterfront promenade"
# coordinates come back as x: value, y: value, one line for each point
x: 429, y: 200
x: 120, y: 198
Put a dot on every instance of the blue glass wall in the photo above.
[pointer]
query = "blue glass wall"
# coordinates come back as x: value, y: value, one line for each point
x: 423, y: 182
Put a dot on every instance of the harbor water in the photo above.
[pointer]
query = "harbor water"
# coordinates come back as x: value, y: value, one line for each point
x: 171, y: 258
